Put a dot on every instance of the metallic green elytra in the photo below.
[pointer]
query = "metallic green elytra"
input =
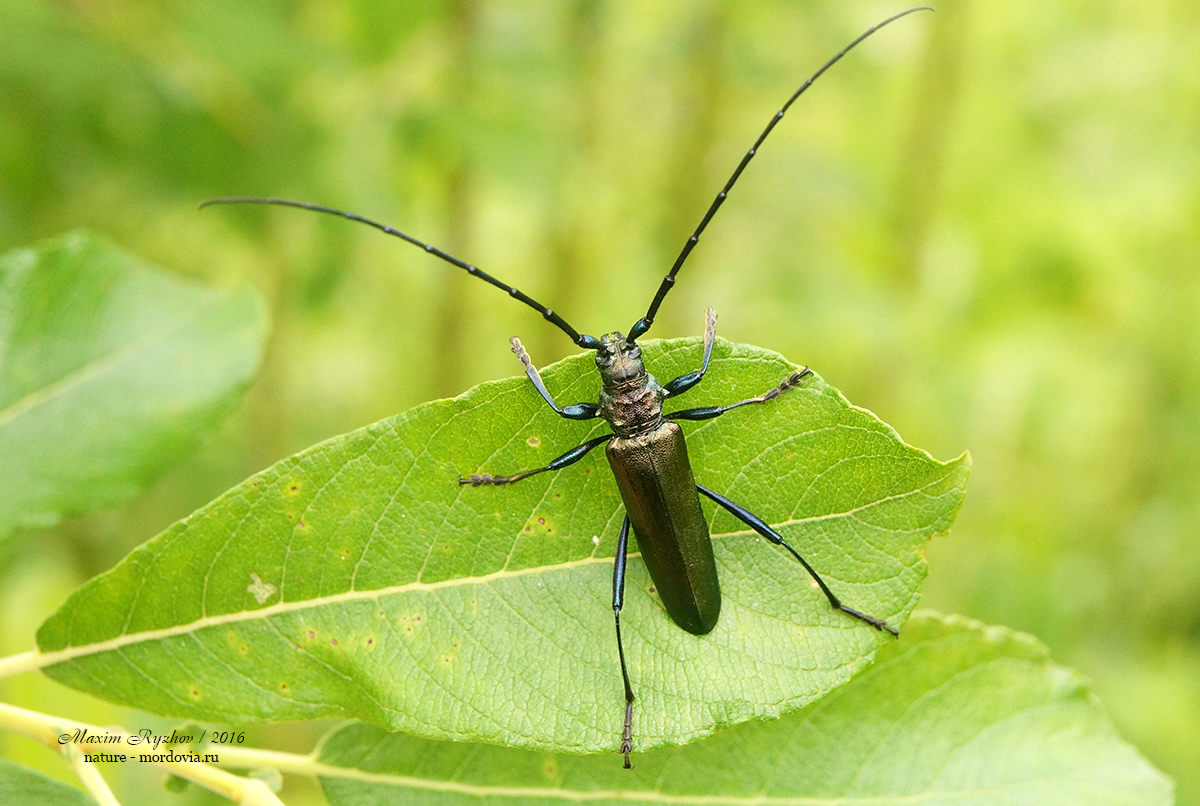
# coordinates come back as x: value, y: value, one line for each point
x: 659, y: 493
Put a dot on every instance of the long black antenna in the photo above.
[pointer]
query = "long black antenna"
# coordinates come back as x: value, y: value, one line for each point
x: 583, y: 340
x: 643, y: 324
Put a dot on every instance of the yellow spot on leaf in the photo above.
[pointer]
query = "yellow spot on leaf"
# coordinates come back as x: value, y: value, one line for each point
x: 261, y: 591
x: 539, y: 525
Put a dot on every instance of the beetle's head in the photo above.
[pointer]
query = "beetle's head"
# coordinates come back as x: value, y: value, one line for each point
x: 619, y: 360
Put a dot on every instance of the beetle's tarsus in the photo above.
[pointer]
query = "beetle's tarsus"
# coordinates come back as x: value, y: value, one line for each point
x: 627, y: 735
x: 479, y: 479
x: 877, y: 623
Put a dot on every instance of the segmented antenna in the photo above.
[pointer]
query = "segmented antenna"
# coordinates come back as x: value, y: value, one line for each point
x: 583, y: 340
x: 642, y: 325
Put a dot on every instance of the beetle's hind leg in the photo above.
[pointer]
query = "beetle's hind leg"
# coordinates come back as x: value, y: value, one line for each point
x: 759, y: 525
x: 618, y: 603
x: 569, y: 458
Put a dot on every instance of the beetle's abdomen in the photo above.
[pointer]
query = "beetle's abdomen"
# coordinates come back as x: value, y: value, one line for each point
x: 656, y: 484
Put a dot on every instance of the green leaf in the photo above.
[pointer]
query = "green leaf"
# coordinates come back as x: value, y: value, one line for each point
x: 358, y: 578
x: 21, y: 785
x: 955, y: 712
x: 110, y: 372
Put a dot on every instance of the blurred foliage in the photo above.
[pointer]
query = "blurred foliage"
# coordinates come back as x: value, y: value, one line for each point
x: 984, y: 225
x: 111, y: 371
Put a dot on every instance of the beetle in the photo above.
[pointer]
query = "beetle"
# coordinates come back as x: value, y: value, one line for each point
x: 646, y: 449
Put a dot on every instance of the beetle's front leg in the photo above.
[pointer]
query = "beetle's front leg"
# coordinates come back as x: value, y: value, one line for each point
x: 569, y: 458
x: 690, y: 379
x: 578, y: 411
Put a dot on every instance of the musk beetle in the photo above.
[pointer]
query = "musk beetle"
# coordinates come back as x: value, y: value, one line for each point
x: 646, y: 448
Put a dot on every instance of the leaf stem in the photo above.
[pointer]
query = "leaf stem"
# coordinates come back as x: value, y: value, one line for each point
x: 55, y: 733
x: 21, y: 662
x: 89, y: 776
x: 254, y: 758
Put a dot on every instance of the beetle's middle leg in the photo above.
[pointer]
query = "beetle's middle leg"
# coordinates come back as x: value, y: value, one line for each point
x: 709, y: 412
x: 569, y: 458
x: 759, y: 525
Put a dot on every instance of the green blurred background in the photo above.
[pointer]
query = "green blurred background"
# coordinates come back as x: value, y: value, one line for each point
x: 984, y: 226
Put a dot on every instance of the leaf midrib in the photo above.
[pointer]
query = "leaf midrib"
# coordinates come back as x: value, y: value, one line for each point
x: 126, y: 639
x: 647, y: 795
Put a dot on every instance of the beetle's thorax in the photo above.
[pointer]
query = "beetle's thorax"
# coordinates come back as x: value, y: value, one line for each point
x: 631, y: 398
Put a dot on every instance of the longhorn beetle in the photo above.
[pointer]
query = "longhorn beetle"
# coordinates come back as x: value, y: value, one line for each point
x: 646, y: 448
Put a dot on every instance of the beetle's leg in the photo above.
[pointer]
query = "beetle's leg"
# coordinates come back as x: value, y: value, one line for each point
x: 709, y: 412
x: 690, y: 379
x: 759, y: 525
x: 569, y: 458
x: 578, y: 411
x: 618, y: 602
